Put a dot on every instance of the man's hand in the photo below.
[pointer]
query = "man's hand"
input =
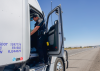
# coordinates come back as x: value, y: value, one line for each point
x: 34, y: 30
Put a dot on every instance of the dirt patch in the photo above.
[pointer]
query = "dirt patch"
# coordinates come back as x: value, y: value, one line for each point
x: 74, y: 48
x: 96, y: 64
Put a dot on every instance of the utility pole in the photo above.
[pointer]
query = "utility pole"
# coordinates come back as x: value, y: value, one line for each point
x: 51, y: 14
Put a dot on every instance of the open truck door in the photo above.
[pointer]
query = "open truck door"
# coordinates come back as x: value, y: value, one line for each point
x: 55, y: 33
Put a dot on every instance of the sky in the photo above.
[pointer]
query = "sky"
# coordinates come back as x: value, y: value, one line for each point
x: 81, y: 20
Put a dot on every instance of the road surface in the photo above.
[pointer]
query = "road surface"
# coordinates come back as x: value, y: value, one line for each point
x: 76, y: 51
x: 84, y: 59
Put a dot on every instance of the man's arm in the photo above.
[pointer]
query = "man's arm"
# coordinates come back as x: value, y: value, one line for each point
x: 40, y: 22
x: 35, y: 29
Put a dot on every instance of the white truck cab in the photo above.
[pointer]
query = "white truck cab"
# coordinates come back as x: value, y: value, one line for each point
x: 15, y: 37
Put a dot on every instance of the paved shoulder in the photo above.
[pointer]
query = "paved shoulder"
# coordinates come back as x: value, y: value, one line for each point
x: 96, y: 64
x: 83, y: 61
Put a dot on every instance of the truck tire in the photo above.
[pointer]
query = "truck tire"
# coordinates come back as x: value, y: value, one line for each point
x: 59, y: 66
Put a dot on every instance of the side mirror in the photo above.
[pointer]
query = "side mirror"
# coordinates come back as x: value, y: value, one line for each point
x: 57, y: 13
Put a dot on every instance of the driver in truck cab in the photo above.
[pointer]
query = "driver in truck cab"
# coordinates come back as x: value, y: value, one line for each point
x: 38, y: 39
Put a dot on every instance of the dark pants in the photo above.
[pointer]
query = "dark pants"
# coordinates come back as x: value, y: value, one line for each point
x: 40, y: 45
x: 2, y: 68
x: 33, y: 41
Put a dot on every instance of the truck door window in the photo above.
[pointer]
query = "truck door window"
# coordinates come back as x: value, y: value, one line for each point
x: 52, y: 32
x: 53, y: 17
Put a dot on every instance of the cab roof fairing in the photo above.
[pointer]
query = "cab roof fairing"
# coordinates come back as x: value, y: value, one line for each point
x: 35, y: 4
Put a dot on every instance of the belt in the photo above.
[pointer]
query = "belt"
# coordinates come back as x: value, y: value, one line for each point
x: 42, y: 32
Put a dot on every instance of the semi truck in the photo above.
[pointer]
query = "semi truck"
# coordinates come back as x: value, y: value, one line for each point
x: 15, y: 41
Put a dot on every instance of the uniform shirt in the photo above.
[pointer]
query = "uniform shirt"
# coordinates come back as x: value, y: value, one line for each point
x: 39, y: 22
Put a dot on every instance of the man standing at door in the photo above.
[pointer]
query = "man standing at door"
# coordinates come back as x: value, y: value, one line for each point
x: 39, y: 35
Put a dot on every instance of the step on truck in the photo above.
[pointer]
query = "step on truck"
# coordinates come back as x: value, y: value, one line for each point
x: 15, y: 49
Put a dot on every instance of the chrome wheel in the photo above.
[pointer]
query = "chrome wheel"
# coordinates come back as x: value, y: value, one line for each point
x: 59, y: 65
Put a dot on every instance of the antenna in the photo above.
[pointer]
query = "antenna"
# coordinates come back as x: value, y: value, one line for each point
x: 51, y: 14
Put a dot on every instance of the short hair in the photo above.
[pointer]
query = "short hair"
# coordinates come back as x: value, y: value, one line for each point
x: 35, y: 15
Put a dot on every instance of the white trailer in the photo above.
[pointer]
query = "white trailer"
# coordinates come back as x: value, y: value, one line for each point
x: 15, y: 37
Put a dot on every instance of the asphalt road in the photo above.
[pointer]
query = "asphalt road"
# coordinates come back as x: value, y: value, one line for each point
x: 75, y: 51
x: 84, y: 59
